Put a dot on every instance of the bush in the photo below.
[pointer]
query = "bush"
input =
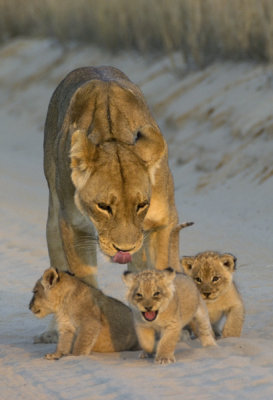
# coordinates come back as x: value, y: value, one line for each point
x: 203, y: 30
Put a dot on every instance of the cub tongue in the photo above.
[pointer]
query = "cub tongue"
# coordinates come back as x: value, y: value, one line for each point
x: 150, y: 315
x: 122, y: 257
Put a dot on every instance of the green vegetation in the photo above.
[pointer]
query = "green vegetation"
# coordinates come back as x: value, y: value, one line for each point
x: 203, y: 30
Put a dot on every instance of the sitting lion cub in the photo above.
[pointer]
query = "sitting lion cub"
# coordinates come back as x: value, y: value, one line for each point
x: 213, y: 272
x: 99, y: 323
x: 164, y: 303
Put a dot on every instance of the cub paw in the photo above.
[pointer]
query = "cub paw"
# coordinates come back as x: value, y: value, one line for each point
x: 165, y: 360
x: 52, y: 356
x: 209, y: 341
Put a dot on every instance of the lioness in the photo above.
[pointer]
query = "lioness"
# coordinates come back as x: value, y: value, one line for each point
x: 106, y: 164
x: 87, y: 319
x: 164, y: 302
x: 213, y: 274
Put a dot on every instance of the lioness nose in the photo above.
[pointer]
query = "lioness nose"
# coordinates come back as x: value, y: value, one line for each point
x: 123, y: 250
x: 148, y: 308
x: 207, y: 294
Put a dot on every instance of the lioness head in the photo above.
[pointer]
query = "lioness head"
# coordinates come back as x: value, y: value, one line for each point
x: 46, y: 294
x: 116, y: 149
x: 212, y: 272
x: 150, y: 291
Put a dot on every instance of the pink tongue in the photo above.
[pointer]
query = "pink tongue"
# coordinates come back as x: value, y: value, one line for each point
x: 150, y: 315
x: 122, y: 257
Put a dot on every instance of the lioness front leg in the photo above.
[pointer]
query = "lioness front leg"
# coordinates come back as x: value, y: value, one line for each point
x: 166, y: 345
x: 234, y: 322
x: 66, y: 336
x: 80, y: 250
x: 162, y: 251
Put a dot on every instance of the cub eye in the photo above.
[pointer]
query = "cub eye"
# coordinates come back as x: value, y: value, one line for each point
x: 139, y: 296
x: 141, y: 206
x: 215, y: 279
x: 105, y: 207
x: 198, y: 280
x: 156, y: 294
x: 138, y: 136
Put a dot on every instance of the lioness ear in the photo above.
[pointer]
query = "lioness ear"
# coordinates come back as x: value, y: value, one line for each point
x: 187, y: 263
x: 50, y: 278
x: 169, y: 274
x: 128, y: 278
x: 150, y: 145
x: 229, y: 261
x: 82, y: 154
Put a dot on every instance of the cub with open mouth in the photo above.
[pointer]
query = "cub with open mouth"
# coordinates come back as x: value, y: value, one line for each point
x: 163, y: 302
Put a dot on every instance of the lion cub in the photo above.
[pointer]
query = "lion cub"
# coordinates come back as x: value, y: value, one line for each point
x: 164, y: 302
x: 213, y: 273
x: 87, y: 319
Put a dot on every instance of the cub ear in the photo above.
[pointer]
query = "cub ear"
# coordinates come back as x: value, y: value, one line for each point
x: 50, y: 278
x: 229, y: 261
x: 82, y: 154
x: 187, y: 263
x: 169, y: 274
x: 128, y: 278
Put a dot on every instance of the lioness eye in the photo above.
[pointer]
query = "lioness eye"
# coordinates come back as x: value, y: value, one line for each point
x: 141, y: 206
x: 156, y: 294
x: 139, y: 295
x: 198, y: 280
x: 105, y: 207
x: 215, y: 279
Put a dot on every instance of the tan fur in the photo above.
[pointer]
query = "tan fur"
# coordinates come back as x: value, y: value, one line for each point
x: 87, y: 319
x: 106, y: 165
x: 213, y: 274
x: 176, y: 301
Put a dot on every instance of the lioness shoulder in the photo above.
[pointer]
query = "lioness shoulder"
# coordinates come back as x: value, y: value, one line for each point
x: 212, y: 273
x: 164, y: 302
x: 87, y: 319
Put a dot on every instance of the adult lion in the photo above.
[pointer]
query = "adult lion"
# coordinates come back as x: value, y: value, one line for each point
x: 106, y: 165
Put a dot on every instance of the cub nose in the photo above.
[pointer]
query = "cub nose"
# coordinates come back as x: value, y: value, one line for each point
x: 148, y: 308
x: 207, y: 294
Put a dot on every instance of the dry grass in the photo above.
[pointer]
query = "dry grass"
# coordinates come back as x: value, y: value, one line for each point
x: 203, y: 30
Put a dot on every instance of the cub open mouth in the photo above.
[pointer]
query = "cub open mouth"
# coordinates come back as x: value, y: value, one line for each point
x: 150, y: 315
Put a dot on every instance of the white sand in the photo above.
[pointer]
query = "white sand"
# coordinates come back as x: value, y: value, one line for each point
x: 219, y: 126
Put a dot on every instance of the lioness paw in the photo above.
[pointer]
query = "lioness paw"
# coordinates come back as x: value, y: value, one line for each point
x: 46, y: 337
x: 144, y: 354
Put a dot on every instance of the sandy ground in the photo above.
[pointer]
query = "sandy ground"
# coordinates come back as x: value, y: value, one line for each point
x: 219, y: 126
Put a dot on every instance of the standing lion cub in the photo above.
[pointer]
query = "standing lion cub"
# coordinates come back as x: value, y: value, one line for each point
x: 212, y: 273
x: 164, y: 302
x: 87, y: 319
